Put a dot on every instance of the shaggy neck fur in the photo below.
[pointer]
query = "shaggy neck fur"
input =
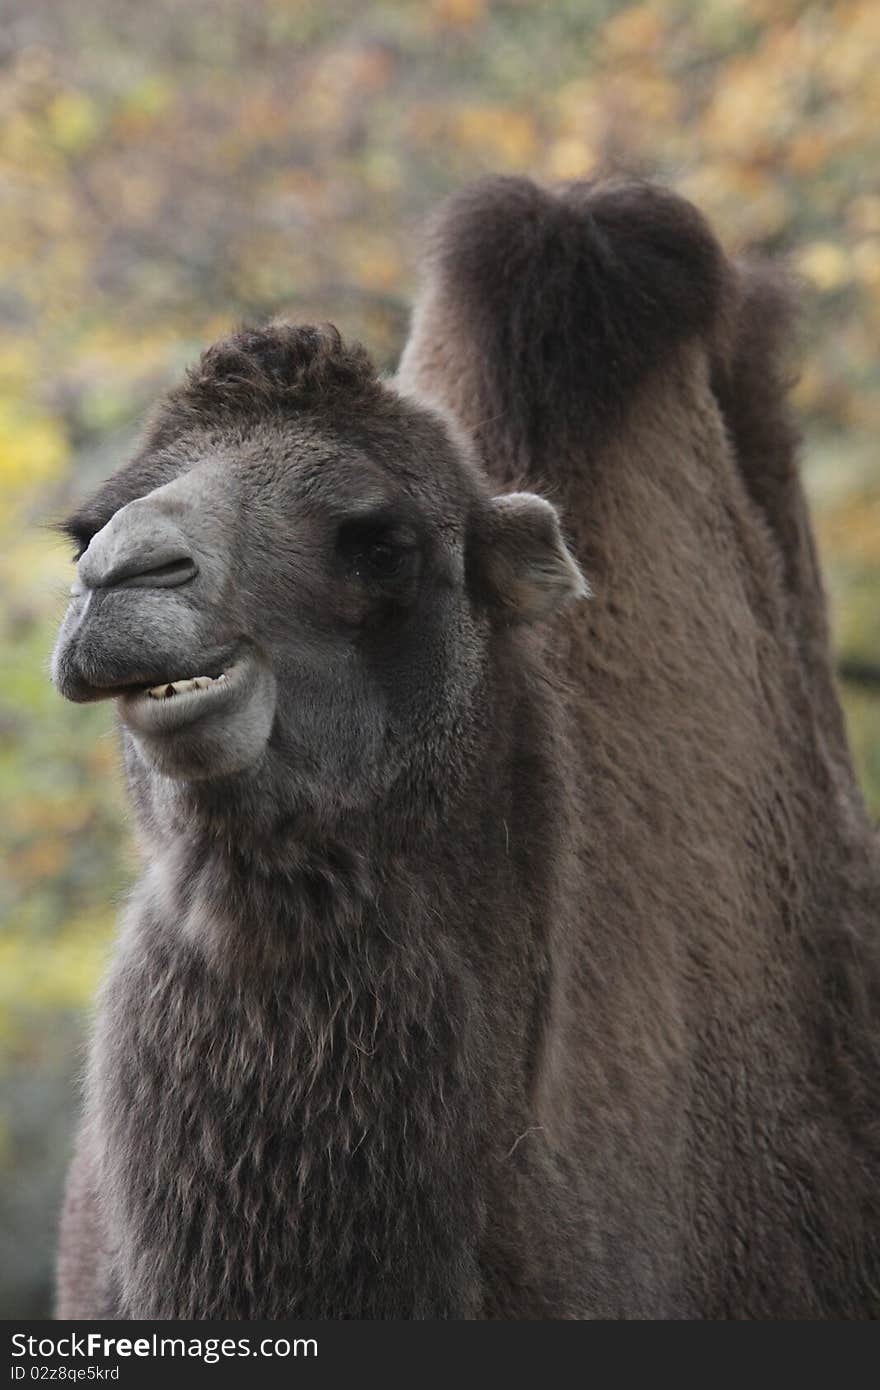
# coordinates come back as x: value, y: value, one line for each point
x: 327, y: 1149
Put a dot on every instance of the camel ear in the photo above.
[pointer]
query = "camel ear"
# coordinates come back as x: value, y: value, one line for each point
x: 526, y: 568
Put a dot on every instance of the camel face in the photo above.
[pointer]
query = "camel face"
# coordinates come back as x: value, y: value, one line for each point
x: 284, y: 596
x: 151, y: 624
x: 297, y: 568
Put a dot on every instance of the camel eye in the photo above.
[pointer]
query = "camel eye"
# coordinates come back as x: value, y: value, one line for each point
x: 383, y: 559
x: 377, y: 550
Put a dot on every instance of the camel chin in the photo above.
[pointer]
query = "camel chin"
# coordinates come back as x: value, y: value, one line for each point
x: 200, y: 727
x: 192, y: 717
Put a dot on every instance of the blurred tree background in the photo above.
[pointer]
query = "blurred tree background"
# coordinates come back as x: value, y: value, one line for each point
x: 169, y: 169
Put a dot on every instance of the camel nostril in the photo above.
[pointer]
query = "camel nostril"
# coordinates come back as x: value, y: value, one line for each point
x: 140, y: 547
x: 169, y: 574
x: 150, y: 568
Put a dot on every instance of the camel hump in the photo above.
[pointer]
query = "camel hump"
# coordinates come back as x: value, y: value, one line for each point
x: 751, y: 377
x: 543, y: 310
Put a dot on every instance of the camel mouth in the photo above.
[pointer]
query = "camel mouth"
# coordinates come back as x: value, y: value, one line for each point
x: 195, y: 728
x: 182, y: 686
x: 172, y: 703
x: 159, y: 687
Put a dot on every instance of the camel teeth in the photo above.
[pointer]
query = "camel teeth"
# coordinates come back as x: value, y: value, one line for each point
x: 182, y: 687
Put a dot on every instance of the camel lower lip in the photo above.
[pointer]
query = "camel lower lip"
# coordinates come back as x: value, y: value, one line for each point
x: 171, y: 705
x: 204, y: 732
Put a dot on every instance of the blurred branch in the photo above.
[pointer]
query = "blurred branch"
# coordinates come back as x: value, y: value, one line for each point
x: 863, y: 673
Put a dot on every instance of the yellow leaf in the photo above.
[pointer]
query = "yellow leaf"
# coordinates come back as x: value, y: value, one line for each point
x: 502, y: 134
x: 866, y: 262
x: 570, y: 158
x: 459, y: 14
x: 825, y: 264
x: 636, y: 31
x: 32, y: 451
x: 73, y: 120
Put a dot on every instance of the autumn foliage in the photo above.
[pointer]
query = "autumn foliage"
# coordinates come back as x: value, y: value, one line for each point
x: 168, y: 170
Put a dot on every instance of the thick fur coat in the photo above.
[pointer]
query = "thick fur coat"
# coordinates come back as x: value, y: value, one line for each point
x: 575, y: 1013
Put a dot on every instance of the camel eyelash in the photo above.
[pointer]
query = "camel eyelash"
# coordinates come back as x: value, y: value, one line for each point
x: 79, y: 537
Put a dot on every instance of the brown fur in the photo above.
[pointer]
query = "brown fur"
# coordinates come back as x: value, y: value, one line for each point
x: 731, y: 889
x: 577, y: 1015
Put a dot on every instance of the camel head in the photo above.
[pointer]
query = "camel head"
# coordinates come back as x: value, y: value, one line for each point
x: 300, y: 571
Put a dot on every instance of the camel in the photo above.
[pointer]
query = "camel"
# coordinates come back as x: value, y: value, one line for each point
x: 506, y: 945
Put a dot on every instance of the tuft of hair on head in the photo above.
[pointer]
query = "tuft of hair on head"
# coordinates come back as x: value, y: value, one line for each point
x: 519, y: 562
x: 272, y: 370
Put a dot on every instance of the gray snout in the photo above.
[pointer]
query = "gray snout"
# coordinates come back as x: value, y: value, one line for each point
x: 148, y: 604
x: 139, y: 548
